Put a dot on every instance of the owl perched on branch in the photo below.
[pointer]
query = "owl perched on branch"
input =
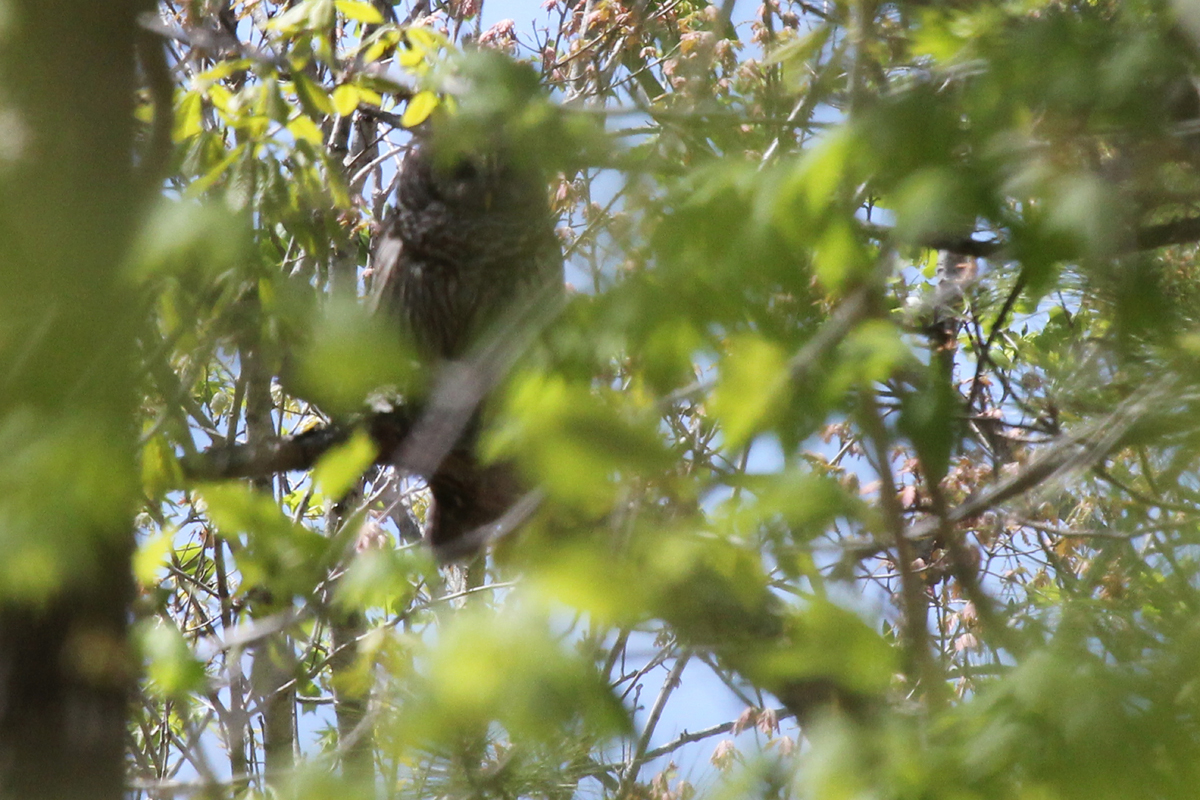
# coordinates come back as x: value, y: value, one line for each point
x: 470, y: 242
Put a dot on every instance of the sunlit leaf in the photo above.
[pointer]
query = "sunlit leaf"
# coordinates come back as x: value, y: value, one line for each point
x: 216, y: 173
x: 360, y: 11
x: 419, y: 108
x: 840, y: 257
x: 342, y: 466
x: 304, y: 128
x: 189, y: 116
x: 279, y: 555
x: 577, y: 442
x: 872, y: 352
x: 151, y: 557
x: 345, y: 99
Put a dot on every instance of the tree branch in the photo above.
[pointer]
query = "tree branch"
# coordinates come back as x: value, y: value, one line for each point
x: 1150, y: 237
x: 298, y: 452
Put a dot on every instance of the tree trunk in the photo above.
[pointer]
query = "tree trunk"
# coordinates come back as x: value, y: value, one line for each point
x: 67, y: 481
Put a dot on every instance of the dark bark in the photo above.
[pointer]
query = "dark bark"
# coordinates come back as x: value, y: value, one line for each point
x: 68, y: 201
x: 298, y: 452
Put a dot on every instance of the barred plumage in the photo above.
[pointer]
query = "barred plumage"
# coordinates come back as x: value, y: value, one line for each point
x: 470, y: 239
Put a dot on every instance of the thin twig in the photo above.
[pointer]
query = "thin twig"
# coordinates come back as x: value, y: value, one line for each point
x: 643, y: 744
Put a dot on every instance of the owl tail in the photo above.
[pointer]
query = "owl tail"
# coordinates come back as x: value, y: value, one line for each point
x: 467, y: 498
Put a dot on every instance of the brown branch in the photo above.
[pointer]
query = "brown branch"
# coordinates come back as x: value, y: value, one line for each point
x: 643, y: 744
x: 687, y: 737
x: 1149, y: 237
x: 984, y: 357
x: 966, y: 571
x: 1180, y: 231
x: 915, y: 631
x: 299, y: 452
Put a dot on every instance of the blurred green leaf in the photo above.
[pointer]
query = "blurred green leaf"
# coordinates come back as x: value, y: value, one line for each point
x: 188, y: 236
x: 278, y: 555
x: 509, y: 667
x: 871, y: 352
x: 795, y: 54
x: 931, y: 418
x: 348, y: 355
x: 577, y: 441
x: 345, y: 99
x: 341, y: 467
x: 827, y: 641
x: 379, y: 579
x: 752, y: 390
x: 173, y: 670
x: 160, y: 467
x: 151, y: 557
x: 840, y: 258
x: 313, y: 97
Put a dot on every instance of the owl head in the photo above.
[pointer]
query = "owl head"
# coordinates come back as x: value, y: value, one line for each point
x: 476, y: 182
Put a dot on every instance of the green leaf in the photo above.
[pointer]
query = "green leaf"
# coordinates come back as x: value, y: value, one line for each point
x: 840, y: 258
x: 236, y: 508
x: 312, y: 95
x: 189, y: 116
x: 296, y: 19
x: 871, y: 352
x: 305, y: 129
x: 822, y: 170
x: 383, y: 40
x: 216, y: 173
x: 796, y: 53
x: 323, y: 17
x: 578, y: 442
x: 286, y: 558
x: 829, y: 641
x: 160, y: 468
x: 151, y: 557
x: 186, y: 238
x: 930, y: 417
x: 380, y: 579
x: 345, y: 99
x: 349, y: 354
x: 581, y: 573
x: 359, y: 11
x: 341, y: 467
x: 173, y: 670
x: 806, y: 500
x: 931, y: 201
x: 1083, y: 207
x: 419, y: 108
x: 510, y: 667
x: 752, y: 390
x: 425, y: 39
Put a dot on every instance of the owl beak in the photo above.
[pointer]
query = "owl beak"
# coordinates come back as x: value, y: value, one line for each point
x: 487, y: 201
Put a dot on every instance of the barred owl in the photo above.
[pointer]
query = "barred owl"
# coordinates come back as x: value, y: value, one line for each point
x: 470, y: 239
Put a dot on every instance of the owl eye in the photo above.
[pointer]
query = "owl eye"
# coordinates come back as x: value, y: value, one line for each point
x: 465, y: 171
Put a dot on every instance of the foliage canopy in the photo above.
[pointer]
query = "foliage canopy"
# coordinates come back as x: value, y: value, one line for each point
x: 873, y: 405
